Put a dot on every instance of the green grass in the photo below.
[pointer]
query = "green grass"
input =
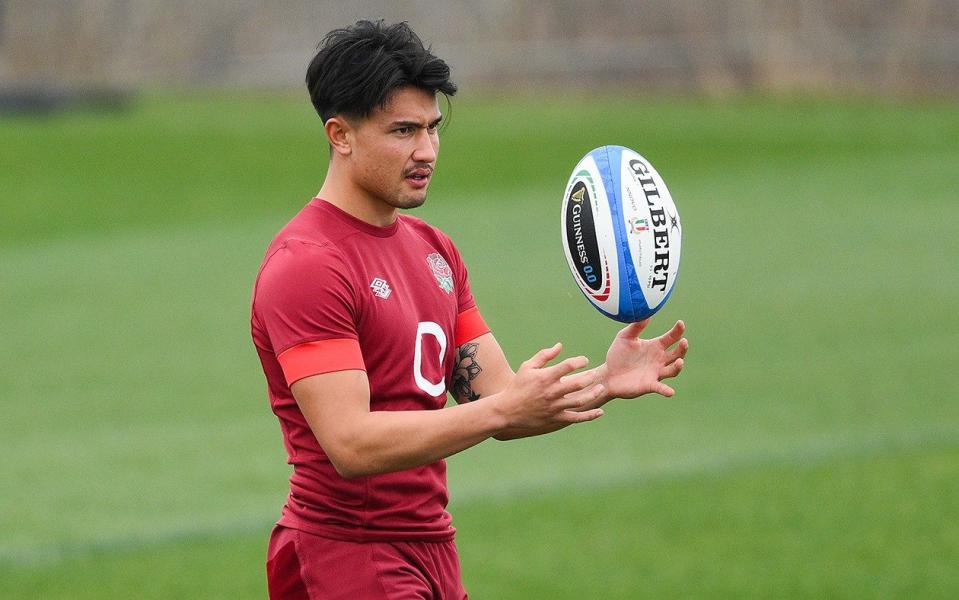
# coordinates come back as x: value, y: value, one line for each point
x: 784, y: 529
x: 781, y: 530
x: 812, y: 449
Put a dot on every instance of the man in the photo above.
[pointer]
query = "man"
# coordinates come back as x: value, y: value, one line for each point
x: 363, y: 320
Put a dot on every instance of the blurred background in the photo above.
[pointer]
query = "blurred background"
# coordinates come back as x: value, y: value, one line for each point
x: 877, y: 46
x: 150, y: 150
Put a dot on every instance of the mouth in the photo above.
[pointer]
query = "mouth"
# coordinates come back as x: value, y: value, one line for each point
x: 419, y: 177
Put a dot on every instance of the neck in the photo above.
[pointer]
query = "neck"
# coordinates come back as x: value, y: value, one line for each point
x: 341, y: 193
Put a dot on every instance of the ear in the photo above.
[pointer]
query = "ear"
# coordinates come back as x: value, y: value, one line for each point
x: 339, y: 134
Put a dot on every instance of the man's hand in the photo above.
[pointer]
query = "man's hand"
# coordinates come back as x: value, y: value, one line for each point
x: 541, y: 396
x: 635, y: 366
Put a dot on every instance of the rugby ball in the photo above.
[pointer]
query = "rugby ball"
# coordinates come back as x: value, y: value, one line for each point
x: 621, y: 233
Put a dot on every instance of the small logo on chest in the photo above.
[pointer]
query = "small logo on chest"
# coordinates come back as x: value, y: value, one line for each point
x: 442, y: 271
x: 380, y: 288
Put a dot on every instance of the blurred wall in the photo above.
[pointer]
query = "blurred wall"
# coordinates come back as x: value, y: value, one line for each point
x: 873, y: 46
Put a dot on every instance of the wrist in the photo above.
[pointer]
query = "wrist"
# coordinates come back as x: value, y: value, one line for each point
x: 495, y: 413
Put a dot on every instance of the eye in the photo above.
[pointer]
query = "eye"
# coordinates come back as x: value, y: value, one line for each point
x: 403, y: 130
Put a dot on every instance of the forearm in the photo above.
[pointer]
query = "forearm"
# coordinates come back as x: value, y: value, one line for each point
x: 359, y: 441
x: 387, y: 441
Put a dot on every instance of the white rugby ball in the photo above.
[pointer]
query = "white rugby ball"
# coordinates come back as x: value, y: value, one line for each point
x: 621, y: 233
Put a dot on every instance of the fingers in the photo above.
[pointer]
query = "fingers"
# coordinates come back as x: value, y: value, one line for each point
x: 671, y: 370
x: 672, y: 336
x: 556, y: 381
x: 632, y: 331
x: 571, y: 416
x: 664, y: 390
x: 574, y: 383
x: 539, y: 360
x: 678, y: 352
x: 559, y: 370
x: 581, y: 400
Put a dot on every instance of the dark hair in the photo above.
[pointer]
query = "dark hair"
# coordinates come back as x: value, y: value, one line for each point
x: 356, y: 68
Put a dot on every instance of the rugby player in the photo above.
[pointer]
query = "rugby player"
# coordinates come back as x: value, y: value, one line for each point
x: 363, y: 320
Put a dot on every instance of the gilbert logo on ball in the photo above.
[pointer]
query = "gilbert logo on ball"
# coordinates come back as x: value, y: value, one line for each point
x: 621, y: 233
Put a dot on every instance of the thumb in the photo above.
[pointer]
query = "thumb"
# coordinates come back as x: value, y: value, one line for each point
x: 632, y: 331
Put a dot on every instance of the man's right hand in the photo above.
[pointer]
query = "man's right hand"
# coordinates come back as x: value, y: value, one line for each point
x: 542, y: 395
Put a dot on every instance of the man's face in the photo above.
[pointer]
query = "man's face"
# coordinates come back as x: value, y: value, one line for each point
x: 394, y: 150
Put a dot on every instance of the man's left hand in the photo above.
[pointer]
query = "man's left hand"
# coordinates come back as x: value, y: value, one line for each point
x: 636, y: 366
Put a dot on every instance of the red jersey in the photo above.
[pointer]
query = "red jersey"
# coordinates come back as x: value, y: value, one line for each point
x: 336, y: 293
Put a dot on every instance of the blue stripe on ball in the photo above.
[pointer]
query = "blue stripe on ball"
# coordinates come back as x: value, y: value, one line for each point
x: 632, y: 302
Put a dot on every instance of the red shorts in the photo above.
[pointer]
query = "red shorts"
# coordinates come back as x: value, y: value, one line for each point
x: 303, y: 566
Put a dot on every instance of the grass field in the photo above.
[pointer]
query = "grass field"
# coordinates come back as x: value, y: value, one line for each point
x: 812, y: 449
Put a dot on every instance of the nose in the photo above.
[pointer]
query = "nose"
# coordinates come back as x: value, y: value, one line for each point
x: 427, y: 143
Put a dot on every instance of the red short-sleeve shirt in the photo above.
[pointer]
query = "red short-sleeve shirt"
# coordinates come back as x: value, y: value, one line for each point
x: 337, y: 293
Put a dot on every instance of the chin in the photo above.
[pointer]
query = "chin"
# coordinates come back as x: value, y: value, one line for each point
x: 410, y: 202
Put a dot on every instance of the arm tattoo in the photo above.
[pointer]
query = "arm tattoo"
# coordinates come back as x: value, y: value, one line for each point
x: 466, y: 371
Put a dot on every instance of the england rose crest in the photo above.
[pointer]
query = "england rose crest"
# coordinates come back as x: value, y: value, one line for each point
x: 442, y: 271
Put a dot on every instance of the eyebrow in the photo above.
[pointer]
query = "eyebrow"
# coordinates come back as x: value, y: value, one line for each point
x: 416, y: 124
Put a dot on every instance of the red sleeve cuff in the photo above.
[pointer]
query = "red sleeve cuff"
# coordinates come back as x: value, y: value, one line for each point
x: 325, y: 356
x: 469, y: 326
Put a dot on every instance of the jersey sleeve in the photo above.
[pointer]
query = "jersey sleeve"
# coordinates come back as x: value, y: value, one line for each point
x: 469, y: 326
x: 305, y: 302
